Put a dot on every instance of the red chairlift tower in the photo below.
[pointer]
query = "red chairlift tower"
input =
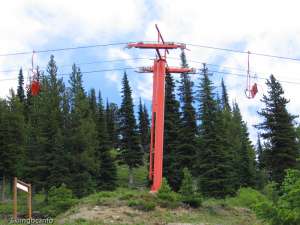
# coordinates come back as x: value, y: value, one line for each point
x: 159, y: 70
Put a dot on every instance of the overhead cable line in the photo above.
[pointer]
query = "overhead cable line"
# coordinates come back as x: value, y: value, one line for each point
x: 133, y: 68
x: 125, y: 43
x: 83, y: 72
x: 255, y: 77
x: 81, y: 63
x: 61, y: 49
x: 245, y: 52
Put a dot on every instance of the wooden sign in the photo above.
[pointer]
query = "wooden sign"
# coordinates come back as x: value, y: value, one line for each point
x: 26, y: 188
x: 22, y: 187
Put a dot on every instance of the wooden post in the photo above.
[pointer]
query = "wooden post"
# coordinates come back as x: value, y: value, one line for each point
x: 29, y: 202
x: 3, y: 188
x: 15, y: 198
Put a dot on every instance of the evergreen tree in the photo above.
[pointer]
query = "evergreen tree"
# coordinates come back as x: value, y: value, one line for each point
x: 93, y: 103
x: 278, y: 132
x: 107, y: 175
x: 172, y: 165
x: 261, y: 178
x: 144, y: 126
x: 83, y: 138
x: 245, y: 163
x: 188, y: 128
x: 260, y: 154
x: 130, y: 151
x: 112, y: 121
x: 12, y: 139
x: 214, y: 166
x: 20, y: 89
x: 225, y: 99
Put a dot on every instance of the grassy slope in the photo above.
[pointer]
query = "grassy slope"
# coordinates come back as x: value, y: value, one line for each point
x: 121, y: 207
x: 113, y: 208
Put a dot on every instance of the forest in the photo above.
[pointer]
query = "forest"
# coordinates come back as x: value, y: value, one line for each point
x: 71, y: 136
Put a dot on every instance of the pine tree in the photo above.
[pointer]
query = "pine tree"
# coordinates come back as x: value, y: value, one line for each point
x: 278, y: 132
x: 245, y: 163
x: 260, y: 154
x: 93, y: 103
x: 112, y: 121
x: 214, y: 166
x: 12, y: 139
x: 20, y: 90
x: 261, y: 178
x: 172, y: 166
x: 107, y: 174
x: 131, y: 152
x: 188, y: 128
x: 83, y: 138
x: 225, y: 99
x: 144, y: 126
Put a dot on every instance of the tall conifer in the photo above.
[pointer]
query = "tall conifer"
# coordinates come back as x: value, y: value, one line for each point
x: 131, y: 152
x: 278, y: 131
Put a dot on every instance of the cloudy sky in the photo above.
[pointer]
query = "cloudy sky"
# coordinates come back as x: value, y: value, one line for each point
x: 270, y: 27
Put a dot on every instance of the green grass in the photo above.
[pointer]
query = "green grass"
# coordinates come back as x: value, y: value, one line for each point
x: 139, y: 174
x: 140, y: 207
x: 147, y: 209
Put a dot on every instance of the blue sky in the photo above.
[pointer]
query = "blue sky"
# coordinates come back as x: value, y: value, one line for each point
x: 259, y: 26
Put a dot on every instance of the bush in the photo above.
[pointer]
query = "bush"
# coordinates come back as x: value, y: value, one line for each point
x: 271, y: 191
x: 166, y: 193
x: 286, y: 211
x: 188, y: 191
x: 166, y: 197
x: 247, y: 197
x: 59, y: 200
x: 142, y: 205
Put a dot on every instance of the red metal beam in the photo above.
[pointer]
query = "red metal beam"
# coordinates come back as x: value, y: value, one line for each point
x: 167, y: 45
x: 168, y: 70
x: 159, y: 70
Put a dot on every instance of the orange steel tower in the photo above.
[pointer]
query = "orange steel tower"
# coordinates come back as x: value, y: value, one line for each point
x: 159, y: 70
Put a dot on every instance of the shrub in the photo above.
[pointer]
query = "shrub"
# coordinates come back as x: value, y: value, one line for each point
x: 166, y: 197
x: 166, y: 193
x: 247, y: 197
x: 142, y: 205
x: 286, y: 211
x: 188, y: 191
x: 59, y: 200
x: 271, y: 191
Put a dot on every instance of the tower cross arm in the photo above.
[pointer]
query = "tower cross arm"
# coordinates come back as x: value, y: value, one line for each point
x: 150, y: 69
x: 157, y: 45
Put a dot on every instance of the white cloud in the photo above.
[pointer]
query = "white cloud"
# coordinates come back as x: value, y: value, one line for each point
x: 32, y: 24
x: 259, y: 26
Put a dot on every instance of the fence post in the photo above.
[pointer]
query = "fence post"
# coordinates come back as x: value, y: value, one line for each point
x: 15, y: 198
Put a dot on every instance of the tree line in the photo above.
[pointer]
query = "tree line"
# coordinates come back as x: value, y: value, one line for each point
x: 71, y: 136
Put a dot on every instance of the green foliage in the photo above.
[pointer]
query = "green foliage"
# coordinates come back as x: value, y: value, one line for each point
x: 144, y: 126
x: 215, y: 161
x: 59, y: 200
x: 167, y: 197
x: 142, y: 205
x: 286, y: 210
x: 188, y: 125
x: 107, y: 172
x: 279, y: 132
x: 247, y: 197
x: 244, y: 163
x: 271, y: 191
x: 166, y: 193
x: 188, y: 191
x: 172, y: 160
x: 83, y: 139
x: 131, y: 152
